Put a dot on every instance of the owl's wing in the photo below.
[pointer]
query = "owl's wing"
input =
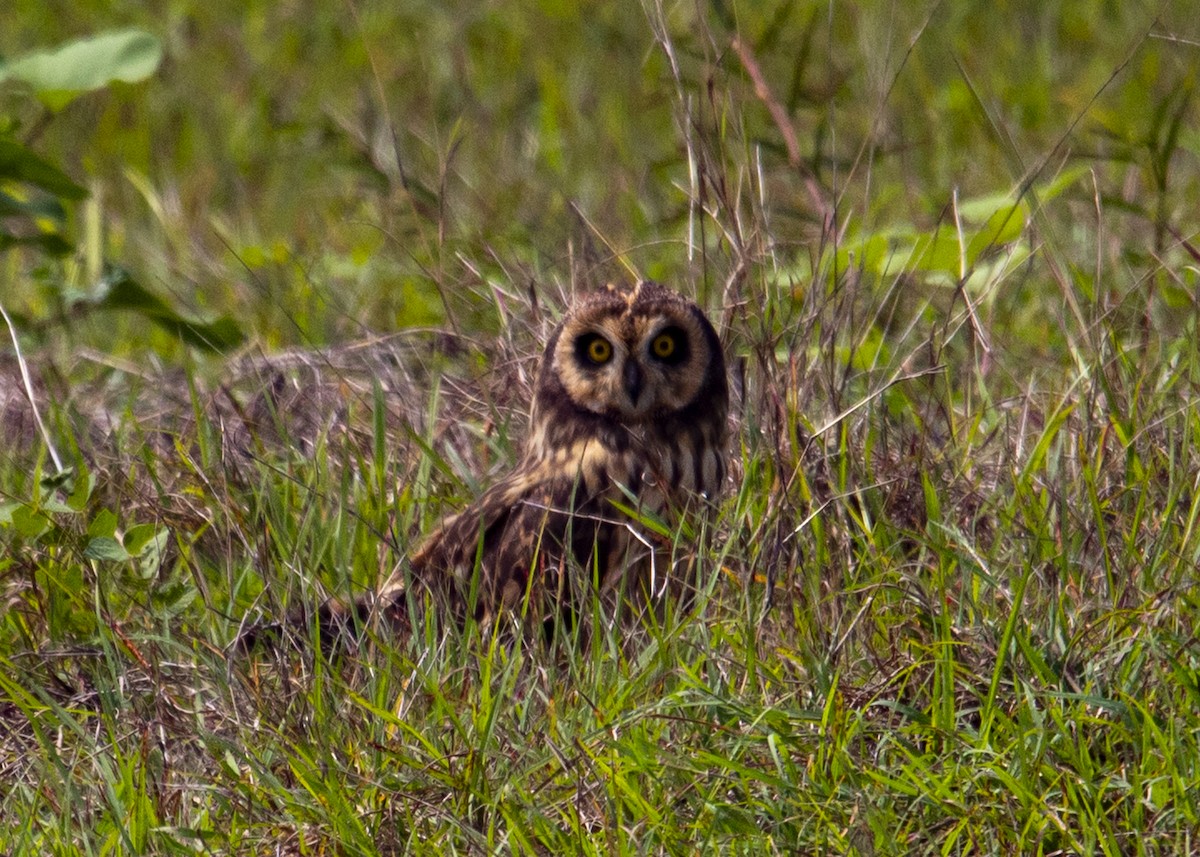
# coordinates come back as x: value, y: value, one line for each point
x: 516, y: 538
x: 519, y: 534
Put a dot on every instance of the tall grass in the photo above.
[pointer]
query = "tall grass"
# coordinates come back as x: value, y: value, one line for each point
x: 948, y: 604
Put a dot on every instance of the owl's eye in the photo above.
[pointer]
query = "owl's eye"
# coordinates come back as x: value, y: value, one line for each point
x: 595, y: 349
x: 670, y: 346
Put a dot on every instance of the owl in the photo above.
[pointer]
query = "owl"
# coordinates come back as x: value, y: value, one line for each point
x: 628, y: 424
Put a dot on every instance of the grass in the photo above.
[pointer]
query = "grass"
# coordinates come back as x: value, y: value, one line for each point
x: 949, y: 603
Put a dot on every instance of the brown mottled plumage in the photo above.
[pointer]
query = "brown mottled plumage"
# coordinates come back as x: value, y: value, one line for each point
x: 629, y: 412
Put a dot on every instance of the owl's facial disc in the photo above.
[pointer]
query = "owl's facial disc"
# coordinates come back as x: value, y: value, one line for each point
x: 632, y: 368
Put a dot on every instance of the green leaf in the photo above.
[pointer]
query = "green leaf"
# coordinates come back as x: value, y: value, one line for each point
x: 85, y: 483
x: 20, y: 164
x: 58, y: 507
x: 939, y: 251
x: 137, y: 537
x: 6, y: 513
x: 13, y: 203
x: 103, y: 525
x: 981, y: 208
x: 171, y: 600
x: 1004, y: 226
x: 31, y: 194
x: 220, y: 335
x: 105, y: 548
x: 60, y: 75
x: 880, y: 252
x: 52, y: 245
x: 149, y: 550
x: 1061, y: 182
x: 119, y: 291
x: 30, y: 523
x: 56, y: 481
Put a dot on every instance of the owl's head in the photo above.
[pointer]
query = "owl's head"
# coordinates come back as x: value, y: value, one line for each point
x: 637, y: 355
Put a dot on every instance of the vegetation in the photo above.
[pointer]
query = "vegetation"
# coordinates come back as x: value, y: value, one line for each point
x: 274, y: 277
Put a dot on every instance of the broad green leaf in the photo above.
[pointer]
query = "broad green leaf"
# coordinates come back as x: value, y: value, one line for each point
x: 985, y: 208
x: 1061, y: 182
x: 30, y: 523
x: 117, y: 290
x: 6, y: 513
x: 58, y: 507
x: 1004, y: 226
x: 939, y: 251
x: 56, y: 481
x: 137, y: 537
x: 105, y: 548
x: 880, y: 252
x: 173, y: 599
x: 149, y: 550
x: 981, y: 208
x: 104, y: 524
x: 59, y: 75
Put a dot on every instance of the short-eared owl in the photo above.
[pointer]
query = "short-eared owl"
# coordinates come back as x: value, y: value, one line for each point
x: 628, y: 422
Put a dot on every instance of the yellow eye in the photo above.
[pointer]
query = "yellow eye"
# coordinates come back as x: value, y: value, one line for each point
x: 599, y: 351
x: 663, y: 346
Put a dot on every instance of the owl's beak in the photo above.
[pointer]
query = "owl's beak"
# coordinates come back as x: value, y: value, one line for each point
x: 633, y: 381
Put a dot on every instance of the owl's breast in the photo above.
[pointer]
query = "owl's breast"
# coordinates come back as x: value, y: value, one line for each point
x: 662, y: 463
x: 683, y: 460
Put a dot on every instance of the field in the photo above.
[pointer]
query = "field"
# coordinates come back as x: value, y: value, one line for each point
x: 274, y: 288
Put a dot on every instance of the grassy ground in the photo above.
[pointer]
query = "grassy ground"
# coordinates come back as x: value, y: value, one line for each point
x: 950, y: 600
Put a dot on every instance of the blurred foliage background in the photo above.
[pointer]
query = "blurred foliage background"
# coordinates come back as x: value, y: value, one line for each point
x: 315, y: 170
